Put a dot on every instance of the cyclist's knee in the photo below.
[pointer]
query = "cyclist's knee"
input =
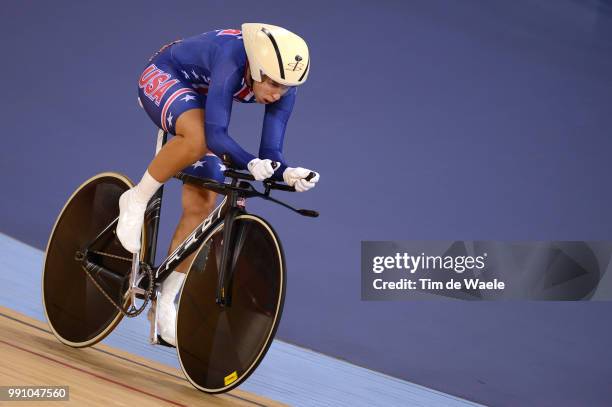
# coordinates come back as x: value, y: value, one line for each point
x: 196, y: 150
x: 190, y: 126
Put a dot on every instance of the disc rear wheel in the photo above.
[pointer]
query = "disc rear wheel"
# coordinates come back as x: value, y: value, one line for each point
x: 78, y: 312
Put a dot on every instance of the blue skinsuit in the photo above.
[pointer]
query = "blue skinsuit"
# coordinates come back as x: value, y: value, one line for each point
x: 208, y: 71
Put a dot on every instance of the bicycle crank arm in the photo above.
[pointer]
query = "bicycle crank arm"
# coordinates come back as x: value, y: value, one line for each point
x: 134, y: 275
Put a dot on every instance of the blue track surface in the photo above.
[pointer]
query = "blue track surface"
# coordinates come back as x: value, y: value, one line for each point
x: 289, y: 374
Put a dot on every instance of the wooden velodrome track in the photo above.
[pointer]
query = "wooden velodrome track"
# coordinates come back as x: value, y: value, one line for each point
x: 97, y: 376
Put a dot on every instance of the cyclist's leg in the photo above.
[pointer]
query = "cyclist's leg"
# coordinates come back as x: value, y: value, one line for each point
x: 176, y: 107
x: 197, y: 204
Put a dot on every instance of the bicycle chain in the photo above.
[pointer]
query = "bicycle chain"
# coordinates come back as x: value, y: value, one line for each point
x: 129, y: 313
x: 114, y: 256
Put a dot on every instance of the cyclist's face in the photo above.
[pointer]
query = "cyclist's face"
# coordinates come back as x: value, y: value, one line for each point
x: 268, y: 91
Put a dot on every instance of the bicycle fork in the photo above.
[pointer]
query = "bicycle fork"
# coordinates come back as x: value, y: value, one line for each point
x: 223, y: 297
x: 236, y: 205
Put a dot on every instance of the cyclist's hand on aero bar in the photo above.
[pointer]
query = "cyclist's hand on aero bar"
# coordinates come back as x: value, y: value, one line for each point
x: 261, y: 169
x: 299, y: 178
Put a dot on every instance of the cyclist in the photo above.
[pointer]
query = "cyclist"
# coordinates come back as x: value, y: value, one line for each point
x: 187, y: 89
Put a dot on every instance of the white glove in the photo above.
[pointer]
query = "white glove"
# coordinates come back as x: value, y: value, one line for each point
x: 296, y: 177
x: 261, y: 169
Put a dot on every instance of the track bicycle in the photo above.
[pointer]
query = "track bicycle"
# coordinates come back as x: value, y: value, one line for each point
x: 232, y: 298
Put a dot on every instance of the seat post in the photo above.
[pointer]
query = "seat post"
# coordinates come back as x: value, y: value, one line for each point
x: 154, y: 209
x: 162, y: 137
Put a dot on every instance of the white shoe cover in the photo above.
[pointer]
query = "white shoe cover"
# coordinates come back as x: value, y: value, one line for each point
x: 131, y: 218
x: 166, y: 318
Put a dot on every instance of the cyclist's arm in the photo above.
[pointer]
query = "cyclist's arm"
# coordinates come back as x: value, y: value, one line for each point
x: 273, y: 133
x: 218, y: 113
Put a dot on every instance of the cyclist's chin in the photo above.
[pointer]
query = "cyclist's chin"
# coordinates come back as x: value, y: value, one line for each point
x: 262, y: 99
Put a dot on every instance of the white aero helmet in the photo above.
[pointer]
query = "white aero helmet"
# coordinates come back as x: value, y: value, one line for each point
x: 277, y: 53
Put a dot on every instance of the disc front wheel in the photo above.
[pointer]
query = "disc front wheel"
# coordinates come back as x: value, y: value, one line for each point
x: 220, y: 346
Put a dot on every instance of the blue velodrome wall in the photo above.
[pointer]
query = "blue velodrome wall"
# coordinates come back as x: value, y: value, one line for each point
x: 427, y: 120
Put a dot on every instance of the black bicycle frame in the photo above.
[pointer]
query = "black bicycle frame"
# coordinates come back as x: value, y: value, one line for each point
x: 232, y: 205
x: 226, y: 213
x: 190, y: 244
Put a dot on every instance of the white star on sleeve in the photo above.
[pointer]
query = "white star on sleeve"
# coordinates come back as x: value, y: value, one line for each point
x: 198, y: 164
x: 186, y: 75
x: 222, y: 167
x: 170, y: 119
x: 188, y: 97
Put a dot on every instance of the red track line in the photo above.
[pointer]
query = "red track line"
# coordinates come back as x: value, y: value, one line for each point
x: 94, y: 374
